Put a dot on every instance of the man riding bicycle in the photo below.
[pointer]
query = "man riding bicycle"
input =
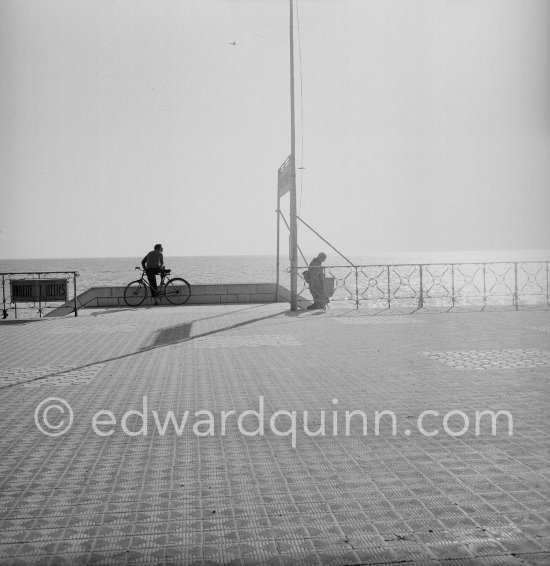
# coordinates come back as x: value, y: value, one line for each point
x: 153, y: 265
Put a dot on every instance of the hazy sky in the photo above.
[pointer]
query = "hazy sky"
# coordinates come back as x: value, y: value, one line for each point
x: 426, y: 125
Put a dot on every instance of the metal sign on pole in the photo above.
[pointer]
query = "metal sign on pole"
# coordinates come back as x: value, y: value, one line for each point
x: 38, y: 290
x: 283, y: 187
x: 283, y: 177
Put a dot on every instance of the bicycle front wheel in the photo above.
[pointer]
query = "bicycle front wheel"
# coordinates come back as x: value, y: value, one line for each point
x: 135, y: 293
x: 177, y: 291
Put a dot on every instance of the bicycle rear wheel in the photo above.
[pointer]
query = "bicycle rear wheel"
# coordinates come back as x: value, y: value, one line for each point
x: 177, y: 291
x: 135, y: 293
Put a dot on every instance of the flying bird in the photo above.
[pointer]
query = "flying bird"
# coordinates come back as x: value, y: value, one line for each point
x: 232, y: 43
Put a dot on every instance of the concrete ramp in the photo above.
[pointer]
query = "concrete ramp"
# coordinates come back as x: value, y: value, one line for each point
x: 219, y: 294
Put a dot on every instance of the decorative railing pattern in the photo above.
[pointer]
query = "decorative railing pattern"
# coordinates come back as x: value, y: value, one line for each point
x: 438, y: 284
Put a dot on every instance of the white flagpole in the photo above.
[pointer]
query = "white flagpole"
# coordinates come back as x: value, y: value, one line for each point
x: 293, y: 220
x: 277, y: 275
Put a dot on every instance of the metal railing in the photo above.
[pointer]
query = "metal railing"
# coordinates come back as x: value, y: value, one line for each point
x: 438, y: 284
x: 8, y: 302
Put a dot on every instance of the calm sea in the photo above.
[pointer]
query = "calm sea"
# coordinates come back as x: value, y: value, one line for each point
x: 119, y: 271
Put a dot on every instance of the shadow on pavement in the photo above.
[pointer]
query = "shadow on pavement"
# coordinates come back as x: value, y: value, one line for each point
x: 171, y: 335
x: 178, y: 334
x: 110, y: 311
x: 20, y: 321
x: 181, y: 332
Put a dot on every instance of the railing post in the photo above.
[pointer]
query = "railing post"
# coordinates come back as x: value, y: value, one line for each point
x: 74, y: 287
x: 39, y: 299
x: 4, y: 310
x: 453, y: 285
x: 516, y: 284
x: 356, y: 288
x: 421, y: 297
x: 484, y: 287
x: 389, y: 287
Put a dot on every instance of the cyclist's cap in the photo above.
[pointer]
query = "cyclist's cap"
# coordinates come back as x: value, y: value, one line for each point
x: 158, y: 246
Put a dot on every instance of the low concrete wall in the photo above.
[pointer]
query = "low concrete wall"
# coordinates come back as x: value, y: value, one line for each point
x: 225, y: 293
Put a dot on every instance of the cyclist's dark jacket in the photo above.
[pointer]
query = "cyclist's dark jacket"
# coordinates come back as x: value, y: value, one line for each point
x: 153, y: 259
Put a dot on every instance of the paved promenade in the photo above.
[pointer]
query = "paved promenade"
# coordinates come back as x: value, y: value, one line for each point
x: 189, y: 477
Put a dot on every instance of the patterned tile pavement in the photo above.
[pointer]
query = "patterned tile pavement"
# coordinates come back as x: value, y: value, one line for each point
x: 43, y: 376
x: 488, y: 359
x: 250, y: 435
x: 376, y: 319
x: 248, y: 341
x: 543, y: 328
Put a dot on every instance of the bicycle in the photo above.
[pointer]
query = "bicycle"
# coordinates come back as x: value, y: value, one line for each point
x: 177, y: 290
